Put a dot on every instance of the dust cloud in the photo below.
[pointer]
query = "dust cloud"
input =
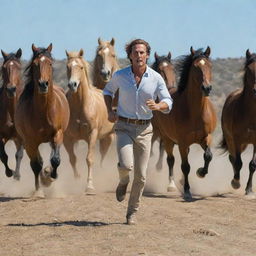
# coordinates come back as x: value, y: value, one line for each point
x: 106, y: 177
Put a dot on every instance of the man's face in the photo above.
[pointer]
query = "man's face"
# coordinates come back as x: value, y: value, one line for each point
x: 139, y: 55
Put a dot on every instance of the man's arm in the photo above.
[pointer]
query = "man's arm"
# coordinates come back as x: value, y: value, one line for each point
x: 112, y: 116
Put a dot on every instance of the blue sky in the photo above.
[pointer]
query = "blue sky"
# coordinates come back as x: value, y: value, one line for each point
x: 227, y: 26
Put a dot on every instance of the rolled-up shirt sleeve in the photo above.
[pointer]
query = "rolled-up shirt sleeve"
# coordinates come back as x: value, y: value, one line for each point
x: 164, y: 96
x: 112, y: 86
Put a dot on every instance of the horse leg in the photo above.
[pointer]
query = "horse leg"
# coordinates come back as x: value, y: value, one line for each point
x: 90, y: 160
x: 36, y: 163
x: 236, y: 162
x: 201, y: 172
x: 159, y: 164
x: 18, y: 156
x: 69, y: 143
x: 252, y: 167
x: 4, y: 159
x: 185, y: 167
x: 104, y: 145
x: 170, y: 161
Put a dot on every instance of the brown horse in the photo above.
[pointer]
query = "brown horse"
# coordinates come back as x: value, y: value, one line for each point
x: 239, y: 122
x: 88, y: 115
x: 42, y: 115
x: 105, y: 63
x: 164, y: 66
x: 9, y: 94
x: 192, y: 118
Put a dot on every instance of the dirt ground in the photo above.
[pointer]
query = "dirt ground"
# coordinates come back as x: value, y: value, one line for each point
x: 219, y: 221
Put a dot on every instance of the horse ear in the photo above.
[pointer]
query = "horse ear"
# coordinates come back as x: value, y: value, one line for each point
x: 156, y: 56
x: 34, y: 48
x: 67, y: 53
x: 207, y: 52
x: 99, y: 41
x: 81, y: 53
x: 112, y: 42
x: 4, y: 54
x: 169, y: 55
x: 49, y: 48
x: 192, y: 51
x: 248, y: 54
x: 18, y: 53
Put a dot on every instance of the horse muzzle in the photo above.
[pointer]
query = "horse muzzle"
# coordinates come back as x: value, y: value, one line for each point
x: 43, y: 86
x: 206, y: 89
x: 106, y: 75
x: 11, y: 91
x: 73, y: 86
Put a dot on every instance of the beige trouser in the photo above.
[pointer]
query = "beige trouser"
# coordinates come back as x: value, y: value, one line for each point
x: 133, y: 147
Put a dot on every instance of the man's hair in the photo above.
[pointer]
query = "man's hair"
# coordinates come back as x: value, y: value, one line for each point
x: 128, y: 46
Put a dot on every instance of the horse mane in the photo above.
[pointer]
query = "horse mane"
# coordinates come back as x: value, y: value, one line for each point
x: 248, y: 61
x: 29, y: 84
x: 158, y: 61
x: 184, y: 63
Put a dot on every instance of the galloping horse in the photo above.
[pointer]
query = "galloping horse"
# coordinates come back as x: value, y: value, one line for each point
x: 239, y: 122
x: 42, y: 115
x: 88, y: 115
x: 165, y: 67
x: 192, y: 118
x: 9, y: 94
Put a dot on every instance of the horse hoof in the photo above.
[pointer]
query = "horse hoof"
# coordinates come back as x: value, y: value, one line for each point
x: 16, y: 177
x: 187, y: 196
x: 38, y: 194
x: 45, y: 176
x: 159, y: 166
x: 200, y: 173
x: 90, y: 191
x: 235, y: 184
x: 171, y: 187
x: 8, y: 173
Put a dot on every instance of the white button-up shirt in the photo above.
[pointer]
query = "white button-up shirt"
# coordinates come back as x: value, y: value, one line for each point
x: 132, y: 100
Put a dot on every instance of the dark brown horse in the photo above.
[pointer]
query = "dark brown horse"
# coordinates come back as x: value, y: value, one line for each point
x: 9, y: 94
x: 192, y: 118
x: 239, y: 122
x: 164, y: 66
x: 42, y: 114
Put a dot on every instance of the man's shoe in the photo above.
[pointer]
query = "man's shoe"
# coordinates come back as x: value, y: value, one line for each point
x: 131, y: 219
x: 121, y: 192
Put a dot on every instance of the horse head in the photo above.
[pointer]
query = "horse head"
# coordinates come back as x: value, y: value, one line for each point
x: 202, y: 69
x: 106, y: 59
x: 250, y: 71
x: 164, y: 66
x: 76, y: 68
x: 11, y: 72
x: 42, y: 68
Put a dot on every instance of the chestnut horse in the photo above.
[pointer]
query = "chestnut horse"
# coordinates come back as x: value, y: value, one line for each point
x: 88, y: 115
x: 42, y: 115
x: 192, y: 118
x: 239, y: 123
x: 9, y: 94
x: 165, y: 67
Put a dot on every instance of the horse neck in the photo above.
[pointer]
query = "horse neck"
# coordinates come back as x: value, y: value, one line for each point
x: 43, y: 101
x: 248, y: 98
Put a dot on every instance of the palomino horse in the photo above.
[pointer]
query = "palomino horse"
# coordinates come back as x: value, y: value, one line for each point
x: 105, y: 63
x: 239, y: 122
x: 192, y: 118
x: 9, y: 94
x: 165, y: 67
x: 88, y: 115
x: 42, y: 115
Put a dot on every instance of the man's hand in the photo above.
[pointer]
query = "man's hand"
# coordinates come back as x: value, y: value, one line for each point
x: 152, y: 105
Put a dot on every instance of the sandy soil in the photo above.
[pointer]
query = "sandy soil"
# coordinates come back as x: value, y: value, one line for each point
x: 219, y: 221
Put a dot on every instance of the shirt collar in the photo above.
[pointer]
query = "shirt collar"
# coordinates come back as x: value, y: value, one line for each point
x: 146, y: 74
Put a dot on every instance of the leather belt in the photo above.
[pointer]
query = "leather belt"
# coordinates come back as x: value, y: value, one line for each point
x: 134, y: 121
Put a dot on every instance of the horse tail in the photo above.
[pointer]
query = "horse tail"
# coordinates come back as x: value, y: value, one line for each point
x: 104, y: 146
